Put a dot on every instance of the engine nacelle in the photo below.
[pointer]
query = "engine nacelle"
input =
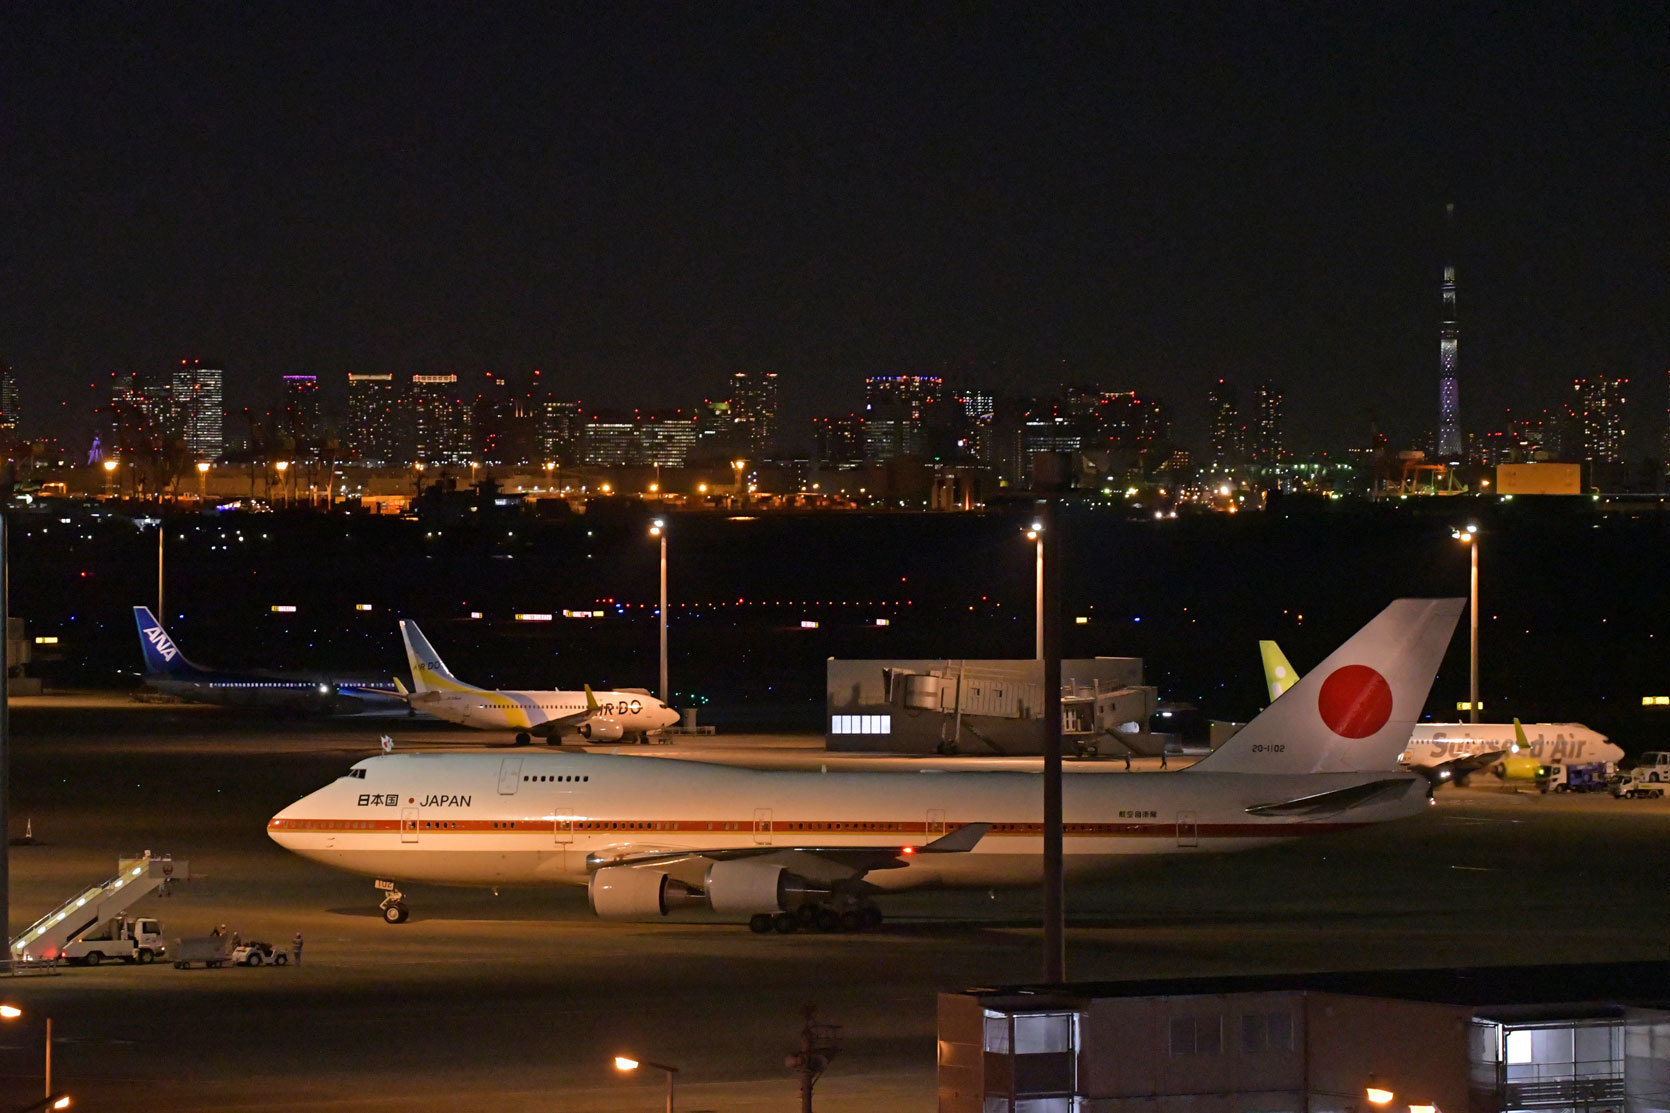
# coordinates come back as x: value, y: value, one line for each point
x: 601, y: 730
x: 624, y: 893
x: 739, y: 886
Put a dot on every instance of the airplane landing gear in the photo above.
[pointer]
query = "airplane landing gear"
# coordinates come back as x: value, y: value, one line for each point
x: 523, y: 738
x: 394, y: 903
x: 812, y: 916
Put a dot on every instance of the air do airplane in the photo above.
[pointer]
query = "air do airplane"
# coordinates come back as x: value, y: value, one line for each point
x: 594, y: 716
x: 783, y: 849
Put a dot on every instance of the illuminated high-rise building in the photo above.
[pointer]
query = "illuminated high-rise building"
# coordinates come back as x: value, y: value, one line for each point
x: 897, y: 412
x: 838, y: 440
x: 198, y: 404
x: 9, y: 403
x: 1266, y: 448
x: 441, y: 426
x: 300, y: 417
x: 558, y: 429
x: 1598, y: 418
x: 1449, y: 342
x: 754, y: 409
x: 371, y: 435
x: 1226, y: 434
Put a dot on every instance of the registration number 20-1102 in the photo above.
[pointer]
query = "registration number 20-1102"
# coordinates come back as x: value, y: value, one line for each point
x: 1274, y: 749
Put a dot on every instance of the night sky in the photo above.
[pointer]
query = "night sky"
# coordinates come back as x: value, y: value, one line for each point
x: 641, y: 199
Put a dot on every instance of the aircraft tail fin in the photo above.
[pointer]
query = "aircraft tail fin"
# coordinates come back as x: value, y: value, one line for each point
x: 162, y: 656
x: 1354, y: 712
x: 429, y: 672
x: 591, y: 701
x: 1278, y: 674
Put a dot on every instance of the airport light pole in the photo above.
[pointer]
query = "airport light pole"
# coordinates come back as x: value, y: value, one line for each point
x: 12, y: 1012
x: 5, y: 731
x: 162, y: 615
x: 659, y: 529
x: 1036, y: 534
x: 202, y: 482
x: 110, y: 466
x: 622, y: 1063
x: 1470, y: 537
x: 1049, y: 600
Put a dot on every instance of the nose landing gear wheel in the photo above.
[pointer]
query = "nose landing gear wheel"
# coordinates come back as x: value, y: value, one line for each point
x: 395, y: 913
x: 760, y: 923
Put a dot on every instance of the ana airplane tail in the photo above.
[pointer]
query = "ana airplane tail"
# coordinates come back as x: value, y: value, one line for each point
x: 162, y: 656
x: 429, y: 672
x: 1278, y: 674
x: 1354, y: 712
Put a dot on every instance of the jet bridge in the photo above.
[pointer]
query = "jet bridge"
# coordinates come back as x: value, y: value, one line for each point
x: 43, y: 940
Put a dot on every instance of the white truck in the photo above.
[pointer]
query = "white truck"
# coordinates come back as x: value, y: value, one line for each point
x: 1635, y: 786
x: 117, y: 938
x: 1652, y: 766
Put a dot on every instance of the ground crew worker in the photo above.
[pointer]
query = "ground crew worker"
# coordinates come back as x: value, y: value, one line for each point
x: 296, y: 949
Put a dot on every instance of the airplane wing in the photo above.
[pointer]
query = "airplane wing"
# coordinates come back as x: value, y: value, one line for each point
x: 849, y: 861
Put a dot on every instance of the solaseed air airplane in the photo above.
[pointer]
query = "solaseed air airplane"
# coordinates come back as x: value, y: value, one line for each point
x: 785, y: 848
x: 1455, y: 751
x: 596, y: 717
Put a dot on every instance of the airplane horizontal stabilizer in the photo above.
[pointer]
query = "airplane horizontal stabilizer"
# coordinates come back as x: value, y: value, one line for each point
x: 1339, y: 800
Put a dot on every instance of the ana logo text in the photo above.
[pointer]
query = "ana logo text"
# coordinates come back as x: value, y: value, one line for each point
x: 161, y: 642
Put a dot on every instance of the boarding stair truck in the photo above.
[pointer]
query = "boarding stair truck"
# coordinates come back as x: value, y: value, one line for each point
x: 1589, y: 776
x: 129, y: 940
x: 101, y: 910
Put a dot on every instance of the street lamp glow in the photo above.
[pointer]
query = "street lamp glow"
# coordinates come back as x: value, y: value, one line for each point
x: 282, y: 465
x: 1379, y: 1096
x: 10, y: 1012
x: 623, y: 1063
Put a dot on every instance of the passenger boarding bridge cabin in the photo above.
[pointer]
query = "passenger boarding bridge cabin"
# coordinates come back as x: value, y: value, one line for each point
x: 1387, y: 1042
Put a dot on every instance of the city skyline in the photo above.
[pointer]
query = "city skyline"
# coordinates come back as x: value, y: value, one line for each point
x: 643, y: 201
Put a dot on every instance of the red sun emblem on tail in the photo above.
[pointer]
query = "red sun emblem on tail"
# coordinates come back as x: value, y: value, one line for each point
x: 1355, y: 701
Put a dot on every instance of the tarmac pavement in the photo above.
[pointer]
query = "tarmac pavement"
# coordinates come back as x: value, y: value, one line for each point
x: 518, y: 1002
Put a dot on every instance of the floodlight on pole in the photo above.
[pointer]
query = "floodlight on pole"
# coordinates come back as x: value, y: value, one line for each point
x: 1469, y: 536
x: 625, y: 1063
x: 658, y: 529
x: 1036, y: 534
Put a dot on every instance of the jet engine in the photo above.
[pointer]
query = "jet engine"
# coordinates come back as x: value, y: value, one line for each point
x: 624, y: 893
x: 601, y: 730
x: 737, y: 885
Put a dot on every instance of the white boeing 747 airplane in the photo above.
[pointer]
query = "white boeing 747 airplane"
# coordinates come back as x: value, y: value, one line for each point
x: 790, y: 848
x: 596, y: 717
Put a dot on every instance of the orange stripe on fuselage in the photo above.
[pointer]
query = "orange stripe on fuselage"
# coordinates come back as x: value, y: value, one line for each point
x: 781, y: 828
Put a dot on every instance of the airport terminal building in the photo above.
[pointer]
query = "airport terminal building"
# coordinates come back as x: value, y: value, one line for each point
x: 1382, y: 1042
x: 987, y: 706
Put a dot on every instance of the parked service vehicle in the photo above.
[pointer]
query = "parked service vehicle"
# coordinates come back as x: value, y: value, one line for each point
x: 1654, y: 765
x: 257, y: 954
x: 1585, y: 777
x: 210, y: 950
x: 1635, y: 786
x: 119, y: 937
